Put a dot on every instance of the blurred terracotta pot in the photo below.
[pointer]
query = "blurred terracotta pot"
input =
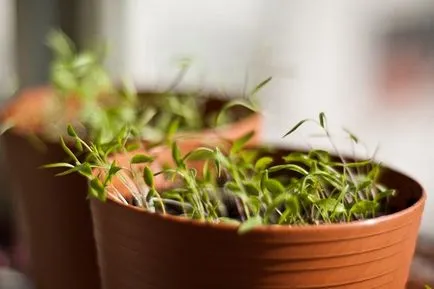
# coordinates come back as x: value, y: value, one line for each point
x: 54, y: 210
x: 137, y: 249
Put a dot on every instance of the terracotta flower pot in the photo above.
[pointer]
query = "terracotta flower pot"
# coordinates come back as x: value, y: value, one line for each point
x: 137, y: 249
x: 56, y: 218
x: 54, y: 210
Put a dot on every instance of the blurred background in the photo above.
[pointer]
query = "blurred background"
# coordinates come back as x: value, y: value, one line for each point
x: 369, y: 65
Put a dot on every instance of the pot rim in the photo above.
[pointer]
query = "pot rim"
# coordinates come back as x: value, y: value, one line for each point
x: 282, y: 229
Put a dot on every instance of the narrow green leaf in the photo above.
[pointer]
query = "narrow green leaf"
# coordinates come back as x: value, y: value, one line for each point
x: 313, y: 166
x: 262, y: 163
x: 322, y: 120
x: 276, y: 203
x: 173, y: 128
x: 353, y: 137
x: 176, y: 155
x: 229, y: 221
x: 357, y: 164
x: 232, y: 187
x: 261, y: 85
x: 67, y: 172
x: 241, y: 142
x: 78, y: 146
x: 172, y: 195
x: 254, y: 203
x: 83, y: 62
x: 251, y: 188
x: 141, y: 158
x: 57, y: 165
x: 264, y: 179
x: 293, y: 203
x: 331, y: 205
x: 297, y: 157
x: 122, y: 134
x: 292, y: 208
x: 384, y: 194
x: 132, y: 147
x: 329, y: 178
x: 363, y: 207
x: 71, y: 131
x: 249, y: 155
x: 152, y: 193
x: 291, y: 167
x: 179, y: 191
x: 206, y: 172
x: 60, y: 44
x: 221, y: 158
x: 129, y: 89
x: 93, y: 193
x: 96, y: 185
x: 148, y: 114
x: 67, y: 150
x: 148, y: 176
x: 296, y: 127
x: 274, y: 187
x: 286, y: 213
x: 313, y: 198
x: 364, y: 184
x: 85, y: 170
x: 250, y: 224
x: 375, y: 172
x: 201, y: 153
x: 231, y: 104
x: 320, y: 155
x: 113, y: 169
x: 193, y: 172
x: 218, y: 167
